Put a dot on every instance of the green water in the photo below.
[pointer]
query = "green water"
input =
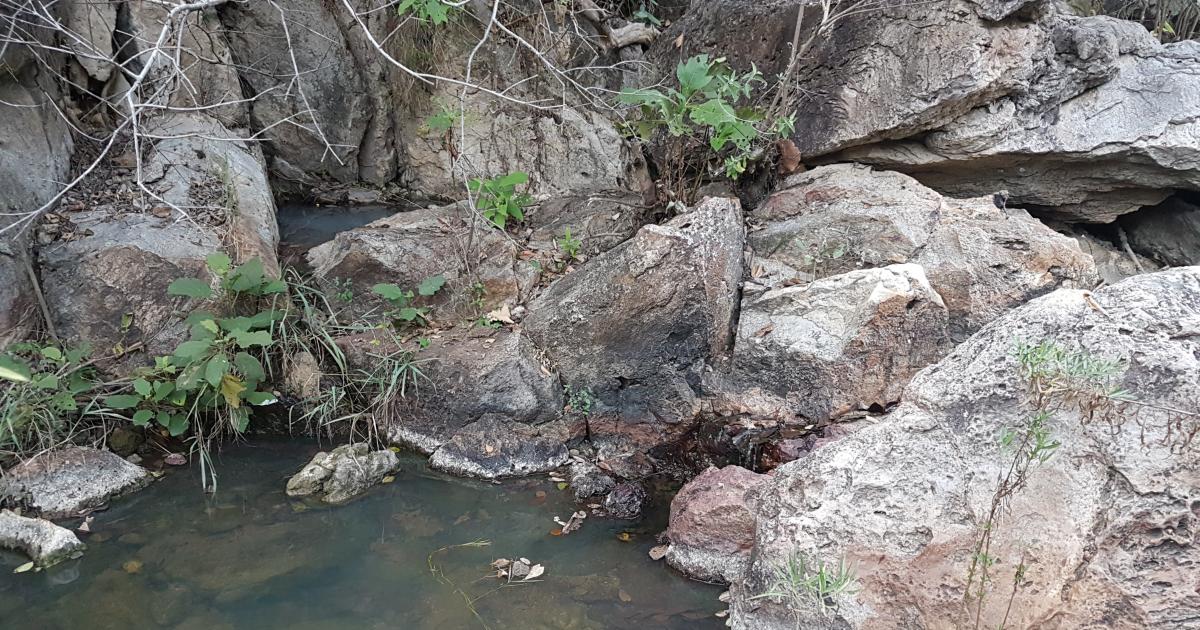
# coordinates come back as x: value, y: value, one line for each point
x: 249, y: 557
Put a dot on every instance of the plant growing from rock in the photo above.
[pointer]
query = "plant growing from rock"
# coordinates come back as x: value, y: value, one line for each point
x: 797, y: 581
x: 402, y: 311
x: 710, y: 106
x: 498, y: 200
x: 569, y: 245
x: 434, y: 12
x: 43, y: 388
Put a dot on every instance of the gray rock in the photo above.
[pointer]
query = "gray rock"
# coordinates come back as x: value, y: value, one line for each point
x: 408, y: 247
x: 843, y: 343
x: 588, y: 481
x: 130, y: 258
x: 491, y: 448
x: 625, y: 501
x: 982, y: 260
x: 465, y: 377
x: 71, y: 481
x: 1098, y: 524
x: 44, y: 542
x: 634, y: 322
x: 712, y: 524
x: 1168, y: 232
x: 1113, y: 264
x: 35, y: 154
x: 343, y: 473
x: 92, y: 24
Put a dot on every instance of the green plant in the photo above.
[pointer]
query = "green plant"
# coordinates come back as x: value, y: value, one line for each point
x: 706, y: 106
x: 569, y: 245
x: 436, y: 12
x: 498, y: 198
x: 402, y: 311
x: 644, y: 15
x: 797, y: 581
x: 43, y: 388
x: 443, y: 120
x: 580, y: 400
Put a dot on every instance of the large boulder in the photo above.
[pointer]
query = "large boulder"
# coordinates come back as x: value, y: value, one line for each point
x: 35, y: 155
x: 843, y: 343
x: 44, y: 542
x: 343, y: 473
x: 71, y: 481
x: 478, y: 261
x: 1168, y: 232
x: 635, y: 325
x: 712, y: 524
x: 1095, y: 529
x: 464, y: 377
x: 214, y: 196
x: 982, y: 259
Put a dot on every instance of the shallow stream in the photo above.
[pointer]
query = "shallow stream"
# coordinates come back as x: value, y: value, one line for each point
x: 250, y: 557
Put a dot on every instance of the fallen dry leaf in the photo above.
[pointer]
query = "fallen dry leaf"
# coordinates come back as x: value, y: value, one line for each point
x: 659, y: 552
x: 765, y: 330
x: 132, y: 566
x: 789, y: 157
x: 679, y: 41
x: 175, y: 459
x: 625, y: 597
x: 535, y: 571
x: 502, y: 315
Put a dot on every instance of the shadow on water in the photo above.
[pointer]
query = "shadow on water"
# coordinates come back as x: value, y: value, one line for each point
x: 250, y: 557
x: 305, y: 226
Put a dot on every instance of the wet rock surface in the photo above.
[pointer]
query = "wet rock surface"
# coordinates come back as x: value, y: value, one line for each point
x: 625, y: 501
x: 712, y: 524
x: 342, y: 474
x: 44, y: 542
x: 589, y: 481
x: 71, y: 481
x: 492, y: 447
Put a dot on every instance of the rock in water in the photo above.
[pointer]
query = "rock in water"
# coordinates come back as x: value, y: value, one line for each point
x: 625, y: 501
x: 712, y: 524
x: 1103, y: 529
x: 343, y: 473
x: 70, y: 481
x: 588, y: 481
x: 44, y: 542
x: 492, y: 448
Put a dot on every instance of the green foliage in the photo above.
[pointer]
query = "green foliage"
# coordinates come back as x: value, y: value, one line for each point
x: 443, y: 120
x: 643, y: 14
x: 498, y: 199
x: 42, y: 387
x: 436, y: 12
x: 569, y: 245
x: 580, y: 400
x: 402, y: 311
x: 706, y: 105
x: 796, y: 581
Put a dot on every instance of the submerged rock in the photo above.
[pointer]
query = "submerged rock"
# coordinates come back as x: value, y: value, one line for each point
x: 588, y: 481
x: 44, y: 542
x: 492, y: 447
x: 712, y: 524
x: 343, y: 473
x: 981, y: 259
x: 625, y: 501
x: 1101, y: 529
x: 71, y: 481
x: 845, y: 342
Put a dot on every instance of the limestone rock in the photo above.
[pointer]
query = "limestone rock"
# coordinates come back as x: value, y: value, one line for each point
x: 44, y: 542
x: 491, y: 448
x: 71, y: 481
x: 1168, y: 232
x: 982, y: 260
x: 845, y: 342
x: 93, y: 24
x: 1099, y: 525
x: 712, y: 524
x: 343, y: 473
x: 634, y: 322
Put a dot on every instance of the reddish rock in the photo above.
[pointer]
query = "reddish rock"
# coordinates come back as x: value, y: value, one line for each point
x: 712, y: 524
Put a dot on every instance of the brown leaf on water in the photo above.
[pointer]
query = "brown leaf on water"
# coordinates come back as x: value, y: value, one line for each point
x: 659, y: 552
x: 132, y: 566
x: 625, y: 597
x: 557, y: 531
x: 625, y: 537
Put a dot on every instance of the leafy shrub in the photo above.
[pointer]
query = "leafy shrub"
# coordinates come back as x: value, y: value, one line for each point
x: 705, y: 106
x: 498, y: 198
x: 436, y: 12
x: 569, y: 245
x: 41, y: 388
